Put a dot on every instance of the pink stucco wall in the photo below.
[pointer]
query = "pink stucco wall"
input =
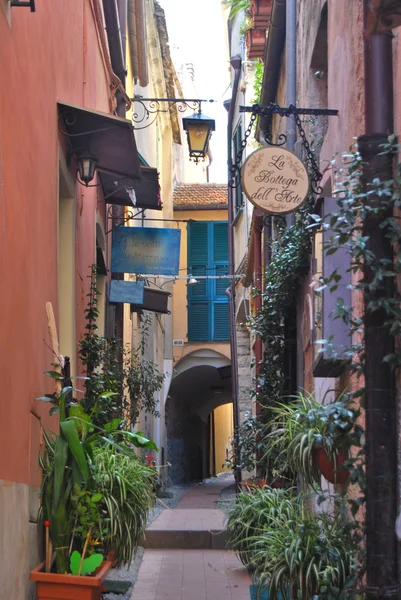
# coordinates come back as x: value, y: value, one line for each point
x: 46, y: 56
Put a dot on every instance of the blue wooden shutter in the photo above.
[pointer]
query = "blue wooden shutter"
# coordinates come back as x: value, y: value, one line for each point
x: 198, y: 301
x: 220, y: 321
x: 221, y: 326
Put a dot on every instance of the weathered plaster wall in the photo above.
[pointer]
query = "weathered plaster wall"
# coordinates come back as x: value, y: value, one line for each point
x: 46, y: 56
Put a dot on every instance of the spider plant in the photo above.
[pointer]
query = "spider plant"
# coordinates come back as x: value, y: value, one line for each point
x: 68, y: 489
x: 253, y: 512
x: 126, y: 486
x: 304, y: 424
x: 312, y: 555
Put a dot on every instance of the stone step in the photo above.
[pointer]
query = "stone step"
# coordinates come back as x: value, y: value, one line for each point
x: 183, y: 528
x: 185, y: 539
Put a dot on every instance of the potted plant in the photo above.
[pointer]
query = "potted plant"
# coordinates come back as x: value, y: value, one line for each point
x: 83, y: 503
x: 314, y: 438
x: 256, y: 457
x: 252, y: 513
x: 306, y: 555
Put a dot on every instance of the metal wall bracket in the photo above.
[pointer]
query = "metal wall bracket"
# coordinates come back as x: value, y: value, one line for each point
x: 24, y: 4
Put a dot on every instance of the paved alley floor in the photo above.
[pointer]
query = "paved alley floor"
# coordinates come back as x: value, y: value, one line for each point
x: 190, y: 572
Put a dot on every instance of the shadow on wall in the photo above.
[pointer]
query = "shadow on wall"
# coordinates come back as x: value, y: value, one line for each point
x: 187, y: 445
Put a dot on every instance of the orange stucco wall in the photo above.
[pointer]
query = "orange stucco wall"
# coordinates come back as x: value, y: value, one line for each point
x: 46, y: 56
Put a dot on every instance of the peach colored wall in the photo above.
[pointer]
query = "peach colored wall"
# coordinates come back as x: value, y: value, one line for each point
x: 46, y: 56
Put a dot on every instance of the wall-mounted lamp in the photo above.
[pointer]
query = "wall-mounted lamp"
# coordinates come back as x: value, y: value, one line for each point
x: 192, y: 280
x: 86, y: 164
x: 199, y: 127
x: 199, y: 130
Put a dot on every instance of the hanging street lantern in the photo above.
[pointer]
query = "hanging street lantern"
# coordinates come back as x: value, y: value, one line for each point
x: 86, y: 167
x: 199, y: 129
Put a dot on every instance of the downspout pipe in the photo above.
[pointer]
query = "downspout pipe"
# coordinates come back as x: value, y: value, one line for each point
x: 258, y: 280
x: 380, y: 385
x: 291, y: 77
x: 236, y: 64
x: 291, y: 68
x: 273, y: 58
x: 113, y: 30
x: 122, y: 6
x: 113, y: 9
x: 272, y: 61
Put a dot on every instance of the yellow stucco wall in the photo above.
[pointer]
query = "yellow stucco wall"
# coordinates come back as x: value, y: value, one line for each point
x: 179, y: 288
x: 223, y: 431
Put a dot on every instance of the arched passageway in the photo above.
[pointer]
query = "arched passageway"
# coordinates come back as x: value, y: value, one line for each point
x: 199, y: 386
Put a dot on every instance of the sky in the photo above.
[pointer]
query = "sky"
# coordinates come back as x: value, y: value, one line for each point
x: 197, y: 36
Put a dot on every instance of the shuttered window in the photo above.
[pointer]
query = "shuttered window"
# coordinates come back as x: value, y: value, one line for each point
x: 207, y: 300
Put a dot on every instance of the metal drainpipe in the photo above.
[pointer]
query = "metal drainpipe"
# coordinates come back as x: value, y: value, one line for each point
x: 114, y: 12
x: 122, y: 6
x: 236, y: 65
x: 291, y: 77
x: 380, y: 394
x: 257, y: 232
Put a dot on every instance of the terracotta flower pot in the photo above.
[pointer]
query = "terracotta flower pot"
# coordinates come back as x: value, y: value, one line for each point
x: 69, y: 587
x: 250, y: 484
x: 330, y: 469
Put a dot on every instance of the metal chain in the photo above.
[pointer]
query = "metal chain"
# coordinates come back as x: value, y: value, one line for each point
x: 266, y: 112
x: 234, y: 170
x: 316, y: 175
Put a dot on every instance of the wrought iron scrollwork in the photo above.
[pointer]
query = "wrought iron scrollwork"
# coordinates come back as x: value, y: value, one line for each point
x: 151, y: 107
x: 280, y: 141
x: 234, y: 170
x: 290, y: 111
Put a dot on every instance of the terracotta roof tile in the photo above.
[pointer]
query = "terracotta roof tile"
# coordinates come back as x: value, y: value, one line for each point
x: 196, y: 195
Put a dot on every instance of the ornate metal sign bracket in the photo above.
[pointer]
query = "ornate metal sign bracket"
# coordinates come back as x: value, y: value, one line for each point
x: 291, y: 111
x: 151, y: 107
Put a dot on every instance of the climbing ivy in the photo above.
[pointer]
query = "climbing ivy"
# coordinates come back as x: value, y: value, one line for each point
x: 290, y: 255
x: 120, y: 382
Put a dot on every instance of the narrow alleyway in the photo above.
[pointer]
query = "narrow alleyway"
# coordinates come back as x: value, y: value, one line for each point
x: 185, y: 557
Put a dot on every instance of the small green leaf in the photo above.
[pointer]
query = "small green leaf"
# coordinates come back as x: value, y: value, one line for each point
x: 54, y: 375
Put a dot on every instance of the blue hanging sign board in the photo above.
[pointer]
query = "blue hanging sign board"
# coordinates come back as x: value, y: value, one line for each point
x: 130, y: 292
x: 145, y: 250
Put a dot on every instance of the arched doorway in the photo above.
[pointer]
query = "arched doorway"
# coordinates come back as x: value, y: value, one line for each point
x: 201, y: 383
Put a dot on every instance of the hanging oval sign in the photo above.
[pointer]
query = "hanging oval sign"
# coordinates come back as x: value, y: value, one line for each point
x: 275, y: 180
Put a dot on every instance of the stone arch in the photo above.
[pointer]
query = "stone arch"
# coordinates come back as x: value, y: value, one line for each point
x: 201, y: 383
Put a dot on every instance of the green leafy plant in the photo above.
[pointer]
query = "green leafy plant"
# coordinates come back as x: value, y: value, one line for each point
x: 237, y: 6
x: 258, y: 80
x: 256, y: 456
x: 120, y: 382
x: 290, y: 253
x: 303, y: 424
x: 253, y: 512
x: 305, y: 555
x: 70, y: 500
x: 126, y: 487
x: 80, y: 566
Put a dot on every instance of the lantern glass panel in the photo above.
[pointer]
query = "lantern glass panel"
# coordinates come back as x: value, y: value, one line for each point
x: 198, y: 134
